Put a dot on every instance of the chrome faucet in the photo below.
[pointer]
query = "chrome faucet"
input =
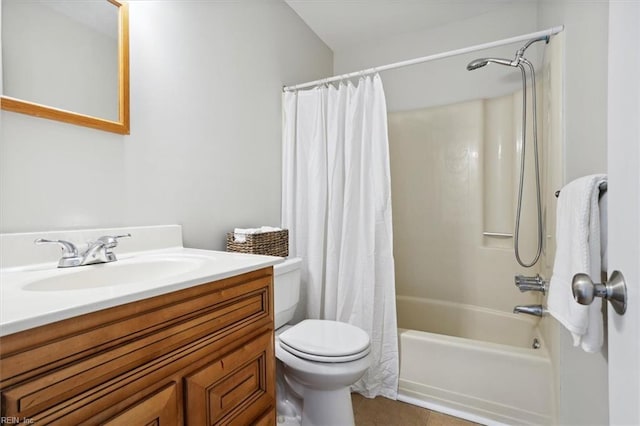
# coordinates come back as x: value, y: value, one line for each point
x: 69, y: 252
x: 99, y: 251
x: 536, y: 310
x: 531, y: 283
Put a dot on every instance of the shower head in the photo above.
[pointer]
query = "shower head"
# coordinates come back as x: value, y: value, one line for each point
x: 481, y: 62
x: 477, y: 63
x: 515, y: 62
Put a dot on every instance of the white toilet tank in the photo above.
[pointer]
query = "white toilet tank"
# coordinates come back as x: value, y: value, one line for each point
x: 286, y: 289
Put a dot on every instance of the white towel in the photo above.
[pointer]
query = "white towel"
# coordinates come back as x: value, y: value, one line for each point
x: 578, y: 250
x: 240, y: 234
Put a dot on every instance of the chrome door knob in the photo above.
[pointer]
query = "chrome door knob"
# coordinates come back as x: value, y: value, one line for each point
x: 615, y: 291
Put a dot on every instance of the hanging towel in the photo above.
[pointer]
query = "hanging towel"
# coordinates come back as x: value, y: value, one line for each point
x: 578, y: 250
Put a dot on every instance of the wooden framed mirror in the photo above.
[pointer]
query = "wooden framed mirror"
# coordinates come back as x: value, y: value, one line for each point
x: 67, y: 61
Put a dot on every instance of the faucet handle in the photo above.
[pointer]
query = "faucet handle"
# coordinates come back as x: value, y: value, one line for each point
x: 111, y: 241
x: 536, y: 283
x: 69, y: 249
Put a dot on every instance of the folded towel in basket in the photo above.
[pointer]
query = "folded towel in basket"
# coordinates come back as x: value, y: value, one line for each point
x: 240, y: 234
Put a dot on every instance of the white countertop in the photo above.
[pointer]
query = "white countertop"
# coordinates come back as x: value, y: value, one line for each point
x: 26, y: 303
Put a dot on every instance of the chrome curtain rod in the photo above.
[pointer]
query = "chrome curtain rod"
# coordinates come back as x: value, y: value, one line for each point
x: 516, y: 39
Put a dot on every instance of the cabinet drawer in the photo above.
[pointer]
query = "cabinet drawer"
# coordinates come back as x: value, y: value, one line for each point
x: 235, y: 389
x: 160, y: 409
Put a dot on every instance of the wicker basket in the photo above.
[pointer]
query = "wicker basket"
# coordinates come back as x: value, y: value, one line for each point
x: 274, y: 243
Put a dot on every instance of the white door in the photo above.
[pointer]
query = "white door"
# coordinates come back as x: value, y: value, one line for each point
x: 624, y: 207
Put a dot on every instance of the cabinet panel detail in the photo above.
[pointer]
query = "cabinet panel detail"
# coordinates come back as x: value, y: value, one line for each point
x: 225, y: 388
x: 161, y: 409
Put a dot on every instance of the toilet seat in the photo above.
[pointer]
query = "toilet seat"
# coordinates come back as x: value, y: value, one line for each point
x: 325, y: 341
x: 327, y: 359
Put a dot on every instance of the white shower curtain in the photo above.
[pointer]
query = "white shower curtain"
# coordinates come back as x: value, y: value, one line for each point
x: 336, y: 204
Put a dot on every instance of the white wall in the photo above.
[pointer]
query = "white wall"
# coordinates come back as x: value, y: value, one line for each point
x: 204, y: 149
x: 445, y: 81
x: 582, y: 385
x: 586, y: 32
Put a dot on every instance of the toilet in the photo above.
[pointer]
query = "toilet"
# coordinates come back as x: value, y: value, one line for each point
x: 318, y: 360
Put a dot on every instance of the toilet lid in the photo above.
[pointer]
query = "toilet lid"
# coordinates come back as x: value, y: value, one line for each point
x: 325, y: 341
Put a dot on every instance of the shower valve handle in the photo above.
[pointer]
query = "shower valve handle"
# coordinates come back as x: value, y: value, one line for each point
x: 615, y: 291
x: 536, y: 283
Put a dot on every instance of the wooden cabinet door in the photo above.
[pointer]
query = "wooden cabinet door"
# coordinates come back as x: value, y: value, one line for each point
x: 160, y: 409
x: 234, y: 389
x: 267, y: 419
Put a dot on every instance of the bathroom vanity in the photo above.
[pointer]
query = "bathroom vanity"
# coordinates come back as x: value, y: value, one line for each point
x: 195, y: 348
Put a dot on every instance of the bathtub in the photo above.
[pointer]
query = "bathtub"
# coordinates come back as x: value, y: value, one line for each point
x: 473, y: 362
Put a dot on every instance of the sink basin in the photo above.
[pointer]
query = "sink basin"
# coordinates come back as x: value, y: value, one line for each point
x: 118, y: 273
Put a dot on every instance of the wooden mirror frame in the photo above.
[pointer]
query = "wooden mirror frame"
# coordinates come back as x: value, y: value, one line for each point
x: 122, y: 125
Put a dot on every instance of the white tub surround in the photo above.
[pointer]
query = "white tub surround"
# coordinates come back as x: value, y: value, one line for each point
x: 34, y: 291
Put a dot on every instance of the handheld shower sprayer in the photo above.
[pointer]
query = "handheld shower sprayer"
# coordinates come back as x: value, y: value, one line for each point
x: 481, y: 62
x: 515, y: 62
x: 520, y: 61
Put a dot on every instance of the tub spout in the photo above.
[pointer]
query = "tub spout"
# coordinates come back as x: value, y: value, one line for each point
x: 536, y: 310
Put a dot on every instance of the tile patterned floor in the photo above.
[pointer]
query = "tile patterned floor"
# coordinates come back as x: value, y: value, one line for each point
x: 385, y: 412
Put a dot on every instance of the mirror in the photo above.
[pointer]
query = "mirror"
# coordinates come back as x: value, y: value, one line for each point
x: 68, y: 61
